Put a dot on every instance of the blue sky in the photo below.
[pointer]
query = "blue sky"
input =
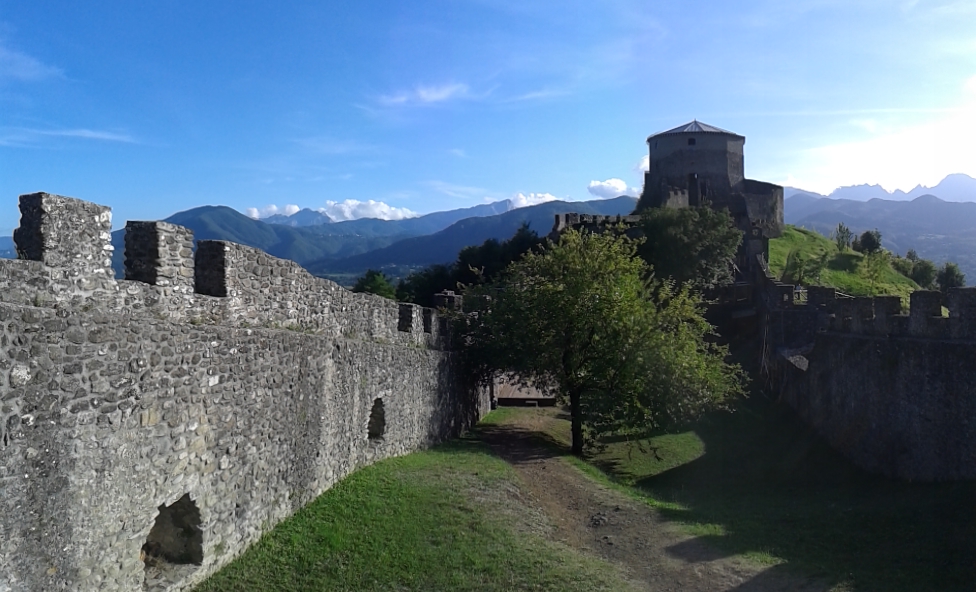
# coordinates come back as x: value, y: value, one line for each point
x: 155, y: 107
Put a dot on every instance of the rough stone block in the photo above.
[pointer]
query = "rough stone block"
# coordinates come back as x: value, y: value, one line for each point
x: 65, y: 232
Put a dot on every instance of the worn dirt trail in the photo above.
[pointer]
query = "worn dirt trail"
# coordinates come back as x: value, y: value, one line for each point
x: 599, y: 521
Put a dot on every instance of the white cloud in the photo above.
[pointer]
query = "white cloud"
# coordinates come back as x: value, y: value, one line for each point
x: 611, y: 188
x: 15, y: 65
x: 644, y: 164
x: 460, y: 153
x: 353, y: 209
x: 271, y: 210
x: 426, y: 95
x: 522, y: 200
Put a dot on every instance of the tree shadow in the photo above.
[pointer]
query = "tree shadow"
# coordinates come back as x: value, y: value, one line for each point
x: 768, y: 484
x: 844, y: 262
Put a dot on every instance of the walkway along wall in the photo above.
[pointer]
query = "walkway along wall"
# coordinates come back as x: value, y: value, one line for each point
x: 152, y: 428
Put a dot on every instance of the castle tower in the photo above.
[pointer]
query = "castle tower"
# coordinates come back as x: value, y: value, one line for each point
x: 692, y: 163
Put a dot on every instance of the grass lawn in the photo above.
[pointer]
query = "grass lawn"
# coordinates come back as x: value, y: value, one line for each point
x: 445, y: 519
x: 758, y: 483
x: 842, y: 269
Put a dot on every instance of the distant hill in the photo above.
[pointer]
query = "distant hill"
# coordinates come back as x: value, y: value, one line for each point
x: 371, y: 227
x: 936, y: 229
x: 842, y: 271
x: 303, y: 217
x: 444, y: 246
x: 7, y: 248
x: 955, y: 187
x: 301, y: 245
x: 426, y: 224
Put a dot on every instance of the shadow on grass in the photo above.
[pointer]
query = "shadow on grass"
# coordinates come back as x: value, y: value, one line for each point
x: 844, y: 262
x: 773, y: 488
x: 768, y: 487
x: 518, y: 445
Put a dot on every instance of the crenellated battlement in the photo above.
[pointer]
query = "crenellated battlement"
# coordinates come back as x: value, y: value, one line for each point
x: 220, y: 283
x: 573, y: 219
x: 185, y: 410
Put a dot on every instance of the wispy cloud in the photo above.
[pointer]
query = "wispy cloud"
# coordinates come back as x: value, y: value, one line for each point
x: 333, y: 146
x: 539, y: 95
x: 461, y: 191
x: 15, y: 65
x: 460, y: 153
x: 426, y: 95
x: 13, y: 136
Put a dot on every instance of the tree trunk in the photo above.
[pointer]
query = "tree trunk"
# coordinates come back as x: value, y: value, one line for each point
x: 576, y: 413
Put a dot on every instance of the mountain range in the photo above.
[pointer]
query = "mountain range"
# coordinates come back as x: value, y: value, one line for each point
x: 936, y: 229
x: 937, y: 222
x: 444, y: 246
x: 955, y: 187
x: 398, y: 245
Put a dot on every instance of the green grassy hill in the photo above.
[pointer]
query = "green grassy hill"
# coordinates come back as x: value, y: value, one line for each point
x: 843, y: 269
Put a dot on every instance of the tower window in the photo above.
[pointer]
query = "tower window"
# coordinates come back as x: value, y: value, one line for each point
x: 691, y: 141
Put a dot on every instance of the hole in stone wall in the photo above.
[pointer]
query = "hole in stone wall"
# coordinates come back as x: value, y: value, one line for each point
x: 377, y: 421
x: 175, y: 539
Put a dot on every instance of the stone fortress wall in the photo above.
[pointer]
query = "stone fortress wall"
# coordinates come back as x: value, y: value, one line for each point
x: 892, y: 392
x: 152, y: 428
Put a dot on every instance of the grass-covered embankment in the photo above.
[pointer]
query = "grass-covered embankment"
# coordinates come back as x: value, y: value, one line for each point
x: 843, y: 269
x: 758, y: 483
x: 449, y: 518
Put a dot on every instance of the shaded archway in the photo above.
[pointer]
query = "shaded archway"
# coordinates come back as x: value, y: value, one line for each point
x: 377, y: 421
x: 176, y: 537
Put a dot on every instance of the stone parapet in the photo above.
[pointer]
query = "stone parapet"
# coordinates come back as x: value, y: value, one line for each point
x: 227, y: 390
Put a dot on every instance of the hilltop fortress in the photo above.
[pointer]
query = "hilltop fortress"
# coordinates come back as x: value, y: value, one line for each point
x: 152, y: 428
x: 890, y: 391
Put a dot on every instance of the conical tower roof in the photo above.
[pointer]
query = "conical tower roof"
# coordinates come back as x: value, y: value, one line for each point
x: 695, y: 127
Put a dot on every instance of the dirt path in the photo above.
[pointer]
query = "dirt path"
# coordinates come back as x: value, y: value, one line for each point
x: 599, y: 521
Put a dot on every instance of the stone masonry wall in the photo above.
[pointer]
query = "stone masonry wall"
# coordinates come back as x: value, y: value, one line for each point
x: 892, y: 392
x: 118, y: 398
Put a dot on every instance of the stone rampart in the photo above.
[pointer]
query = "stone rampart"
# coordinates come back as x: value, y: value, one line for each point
x: 892, y: 392
x: 152, y: 428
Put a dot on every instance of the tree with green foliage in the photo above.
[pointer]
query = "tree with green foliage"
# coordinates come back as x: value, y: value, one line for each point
x: 924, y: 273
x: 582, y: 319
x: 874, y: 265
x: 950, y: 276
x: 420, y: 286
x: 474, y: 265
x: 911, y: 255
x: 692, y: 246
x: 870, y: 241
x: 803, y: 270
x: 374, y: 282
x: 843, y: 236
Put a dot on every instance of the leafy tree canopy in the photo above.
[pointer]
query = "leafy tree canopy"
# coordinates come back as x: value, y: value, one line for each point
x: 474, y: 265
x: 870, y: 241
x: 843, y: 236
x: 692, y: 246
x: 923, y: 273
x: 581, y: 319
x: 949, y: 276
x: 374, y: 282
